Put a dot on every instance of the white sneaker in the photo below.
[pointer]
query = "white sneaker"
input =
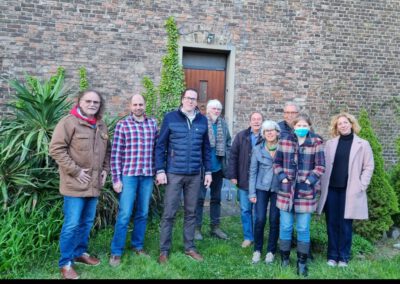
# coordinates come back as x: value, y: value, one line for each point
x: 246, y: 243
x: 342, y: 264
x: 331, y: 262
x: 269, y: 258
x: 256, y: 257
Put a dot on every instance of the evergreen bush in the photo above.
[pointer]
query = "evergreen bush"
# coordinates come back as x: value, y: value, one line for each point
x: 382, y: 200
x: 395, y: 180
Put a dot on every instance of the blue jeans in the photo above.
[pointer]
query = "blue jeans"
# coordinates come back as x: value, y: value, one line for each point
x: 215, y: 200
x: 79, y: 214
x: 263, y: 198
x: 303, y: 221
x: 340, y: 230
x: 139, y: 189
x: 246, y: 214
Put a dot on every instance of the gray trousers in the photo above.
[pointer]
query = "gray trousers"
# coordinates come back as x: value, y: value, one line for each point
x: 190, y: 185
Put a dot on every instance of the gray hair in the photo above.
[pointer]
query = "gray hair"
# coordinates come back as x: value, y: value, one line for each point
x: 269, y: 125
x: 291, y: 103
x: 214, y: 103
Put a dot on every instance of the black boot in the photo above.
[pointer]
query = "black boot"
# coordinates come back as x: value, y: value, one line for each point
x: 285, y: 258
x: 302, y: 264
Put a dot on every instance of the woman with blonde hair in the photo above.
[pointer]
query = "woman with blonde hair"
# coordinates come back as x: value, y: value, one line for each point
x: 349, y: 168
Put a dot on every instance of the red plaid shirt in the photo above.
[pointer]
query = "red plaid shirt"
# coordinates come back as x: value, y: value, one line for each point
x: 132, y: 151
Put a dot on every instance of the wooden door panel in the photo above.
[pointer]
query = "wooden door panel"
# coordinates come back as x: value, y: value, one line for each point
x: 209, y: 83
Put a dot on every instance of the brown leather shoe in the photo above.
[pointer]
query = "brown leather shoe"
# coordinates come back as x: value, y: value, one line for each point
x: 68, y: 272
x: 115, y: 260
x: 87, y: 259
x: 163, y: 258
x: 194, y: 254
x: 140, y: 252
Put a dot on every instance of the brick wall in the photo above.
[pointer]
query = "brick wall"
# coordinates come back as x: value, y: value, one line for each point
x: 327, y: 55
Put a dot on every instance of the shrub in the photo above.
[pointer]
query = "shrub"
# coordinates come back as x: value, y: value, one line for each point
x: 382, y: 200
x: 395, y: 180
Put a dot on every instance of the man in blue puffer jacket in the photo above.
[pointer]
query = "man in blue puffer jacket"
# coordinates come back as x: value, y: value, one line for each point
x: 182, y: 149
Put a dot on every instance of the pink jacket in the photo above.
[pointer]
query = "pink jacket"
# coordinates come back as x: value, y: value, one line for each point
x: 361, y: 167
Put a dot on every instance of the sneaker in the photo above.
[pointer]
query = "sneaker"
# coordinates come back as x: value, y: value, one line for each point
x: 85, y: 258
x: 194, y: 255
x: 256, y: 257
x: 115, y: 260
x: 269, y: 258
x: 342, y: 264
x: 331, y: 262
x: 68, y: 272
x: 197, y: 235
x: 246, y: 243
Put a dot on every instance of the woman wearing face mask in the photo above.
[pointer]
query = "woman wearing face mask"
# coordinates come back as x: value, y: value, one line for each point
x: 350, y: 165
x: 299, y: 163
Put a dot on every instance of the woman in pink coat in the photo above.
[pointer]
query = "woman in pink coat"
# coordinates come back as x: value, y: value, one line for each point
x: 349, y: 167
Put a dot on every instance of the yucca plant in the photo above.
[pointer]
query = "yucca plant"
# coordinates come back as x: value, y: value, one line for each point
x: 26, y: 168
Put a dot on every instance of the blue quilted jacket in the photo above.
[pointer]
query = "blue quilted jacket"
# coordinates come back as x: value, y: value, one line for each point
x: 183, y: 147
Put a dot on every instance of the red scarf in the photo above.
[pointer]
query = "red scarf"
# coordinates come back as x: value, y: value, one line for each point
x: 74, y: 112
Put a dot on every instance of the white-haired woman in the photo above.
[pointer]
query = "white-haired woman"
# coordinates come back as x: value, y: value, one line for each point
x: 263, y: 188
x: 220, y: 142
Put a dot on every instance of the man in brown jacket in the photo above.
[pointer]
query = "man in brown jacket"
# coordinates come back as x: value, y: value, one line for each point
x: 81, y: 148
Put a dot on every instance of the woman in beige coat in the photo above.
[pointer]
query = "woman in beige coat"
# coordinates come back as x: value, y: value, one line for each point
x: 349, y: 167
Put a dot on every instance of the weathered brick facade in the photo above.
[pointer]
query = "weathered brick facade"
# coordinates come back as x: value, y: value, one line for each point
x: 327, y: 55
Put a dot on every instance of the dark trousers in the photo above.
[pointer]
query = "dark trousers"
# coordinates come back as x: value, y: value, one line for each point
x: 190, y: 186
x: 261, y: 206
x: 215, y: 200
x: 340, y: 230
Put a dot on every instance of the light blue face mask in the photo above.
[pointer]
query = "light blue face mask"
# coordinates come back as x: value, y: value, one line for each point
x: 301, y: 132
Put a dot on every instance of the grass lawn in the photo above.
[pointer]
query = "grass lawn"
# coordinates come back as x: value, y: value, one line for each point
x: 223, y: 260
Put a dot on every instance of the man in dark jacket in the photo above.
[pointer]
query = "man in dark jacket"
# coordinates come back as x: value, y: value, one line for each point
x: 290, y: 112
x: 182, y: 148
x: 238, y: 172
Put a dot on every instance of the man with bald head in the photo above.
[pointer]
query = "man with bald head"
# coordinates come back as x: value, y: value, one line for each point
x: 132, y: 167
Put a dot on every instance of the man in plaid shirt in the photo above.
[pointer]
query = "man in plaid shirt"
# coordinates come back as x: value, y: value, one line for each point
x: 132, y: 167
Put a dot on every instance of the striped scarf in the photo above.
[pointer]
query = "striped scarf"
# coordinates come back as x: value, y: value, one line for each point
x: 216, y: 142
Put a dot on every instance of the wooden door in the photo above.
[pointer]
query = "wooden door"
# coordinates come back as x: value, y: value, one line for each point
x: 209, y: 83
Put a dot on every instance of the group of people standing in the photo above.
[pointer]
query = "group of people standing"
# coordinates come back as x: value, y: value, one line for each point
x: 284, y: 167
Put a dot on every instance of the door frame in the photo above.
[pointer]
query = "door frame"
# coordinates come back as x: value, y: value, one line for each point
x: 230, y: 73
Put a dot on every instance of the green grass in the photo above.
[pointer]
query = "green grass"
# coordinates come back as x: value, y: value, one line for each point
x: 223, y: 260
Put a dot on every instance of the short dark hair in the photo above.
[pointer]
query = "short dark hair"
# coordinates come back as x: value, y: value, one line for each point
x: 188, y: 89
x: 99, y: 113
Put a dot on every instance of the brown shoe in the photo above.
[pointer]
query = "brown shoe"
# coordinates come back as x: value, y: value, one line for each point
x: 87, y: 259
x: 115, y: 260
x: 163, y: 258
x: 194, y: 254
x: 140, y: 252
x: 67, y: 272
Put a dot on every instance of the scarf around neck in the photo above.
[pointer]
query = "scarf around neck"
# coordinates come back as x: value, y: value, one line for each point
x: 216, y: 142
x: 75, y: 111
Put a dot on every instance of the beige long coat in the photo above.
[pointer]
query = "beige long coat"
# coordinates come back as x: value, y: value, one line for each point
x: 361, y: 167
x: 75, y: 145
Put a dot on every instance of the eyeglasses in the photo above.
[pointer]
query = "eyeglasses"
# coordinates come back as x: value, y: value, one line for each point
x: 94, y: 102
x: 291, y: 112
x: 190, y: 99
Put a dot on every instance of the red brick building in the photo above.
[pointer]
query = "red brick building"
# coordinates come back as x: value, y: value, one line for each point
x: 327, y: 55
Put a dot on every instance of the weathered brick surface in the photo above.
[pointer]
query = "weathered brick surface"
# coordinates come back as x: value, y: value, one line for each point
x: 327, y: 55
